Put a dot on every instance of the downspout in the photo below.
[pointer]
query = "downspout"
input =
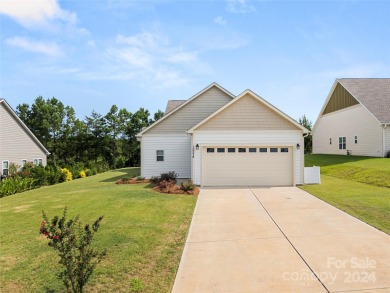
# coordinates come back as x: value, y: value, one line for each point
x: 384, y: 140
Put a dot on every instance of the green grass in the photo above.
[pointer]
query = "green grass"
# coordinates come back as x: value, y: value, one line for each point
x: 356, y: 185
x: 143, y: 231
x: 369, y: 170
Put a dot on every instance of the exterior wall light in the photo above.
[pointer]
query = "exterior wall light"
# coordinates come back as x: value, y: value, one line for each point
x: 197, y: 147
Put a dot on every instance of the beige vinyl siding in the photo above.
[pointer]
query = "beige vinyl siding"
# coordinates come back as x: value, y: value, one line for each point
x: 247, y: 114
x: 177, y: 154
x: 387, y: 140
x: 348, y: 122
x: 15, y: 143
x: 192, y: 113
x: 275, y: 138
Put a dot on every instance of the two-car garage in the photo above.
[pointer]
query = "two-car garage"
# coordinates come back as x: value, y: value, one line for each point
x: 247, y: 165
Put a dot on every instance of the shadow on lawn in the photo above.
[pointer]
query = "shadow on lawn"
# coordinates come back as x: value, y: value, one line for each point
x: 327, y: 160
x: 125, y: 173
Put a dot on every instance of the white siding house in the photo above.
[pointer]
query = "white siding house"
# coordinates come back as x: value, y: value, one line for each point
x: 217, y: 139
x: 17, y: 143
x: 355, y: 119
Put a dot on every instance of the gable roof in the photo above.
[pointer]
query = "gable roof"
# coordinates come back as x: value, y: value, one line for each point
x: 172, y: 104
x: 372, y: 93
x: 214, y: 84
x: 258, y: 98
x: 21, y: 123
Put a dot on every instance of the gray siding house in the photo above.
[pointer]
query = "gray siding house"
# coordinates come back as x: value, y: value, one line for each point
x: 355, y: 118
x: 17, y: 143
x: 219, y: 139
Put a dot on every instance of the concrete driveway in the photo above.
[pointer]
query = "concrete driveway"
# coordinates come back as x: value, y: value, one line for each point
x: 279, y: 239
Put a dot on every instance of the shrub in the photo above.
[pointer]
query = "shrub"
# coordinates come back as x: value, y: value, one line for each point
x: 67, y: 173
x: 388, y: 154
x: 187, y: 186
x: 54, y: 174
x: 13, y: 169
x: 140, y: 178
x: 9, y: 186
x: 74, y: 246
x: 167, y: 186
x: 169, y: 176
x: 154, y: 179
x: 88, y: 172
x: 39, y: 174
x: 82, y: 174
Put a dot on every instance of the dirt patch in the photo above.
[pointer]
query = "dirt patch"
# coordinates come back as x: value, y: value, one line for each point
x: 7, y: 262
x: 170, y: 187
x: 22, y: 208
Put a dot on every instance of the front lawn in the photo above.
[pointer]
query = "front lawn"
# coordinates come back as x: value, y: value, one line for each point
x: 144, y: 233
x: 355, y: 185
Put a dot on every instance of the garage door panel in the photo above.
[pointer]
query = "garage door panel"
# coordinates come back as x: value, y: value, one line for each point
x: 247, y: 168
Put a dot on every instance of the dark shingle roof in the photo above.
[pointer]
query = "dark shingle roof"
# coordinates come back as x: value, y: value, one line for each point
x: 372, y: 93
x: 173, y: 104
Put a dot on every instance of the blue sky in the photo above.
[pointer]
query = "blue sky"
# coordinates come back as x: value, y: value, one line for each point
x: 93, y: 54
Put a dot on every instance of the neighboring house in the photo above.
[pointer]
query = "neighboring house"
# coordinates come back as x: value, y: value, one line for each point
x: 355, y: 118
x: 218, y: 139
x: 17, y: 143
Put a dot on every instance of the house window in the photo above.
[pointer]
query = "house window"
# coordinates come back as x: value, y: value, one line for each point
x: 160, y: 155
x: 242, y: 150
x: 273, y: 150
x: 37, y: 162
x: 284, y: 150
x: 355, y: 139
x: 220, y: 150
x: 231, y: 150
x: 252, y: 150
x: 210, y: 150
x: 342, y: 143
x: 330, y: 140
x: 5, y: 167
x: 24, y: 162
x: 263, y: 150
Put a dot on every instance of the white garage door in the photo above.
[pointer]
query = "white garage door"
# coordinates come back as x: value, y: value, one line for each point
x: 243, y: 166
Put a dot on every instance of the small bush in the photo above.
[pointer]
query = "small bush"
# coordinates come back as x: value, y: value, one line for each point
x: 73, y: 242
x: 187, y: 186
x: 388, y: 154
x: 155, y: 179
x: 140, y: 178
x: 167, y: 186
x: 82, y: 174
x: 88, y: 172
x: 169, y: 176
x: 67, y: 173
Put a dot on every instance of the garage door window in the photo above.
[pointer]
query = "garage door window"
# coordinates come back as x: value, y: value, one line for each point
x: 284, y: 150
x: 273, y: 150
x: 231, y: 150
x: 220, y: 150
x: 242, y: 150
x: 263, y: 150
x: 252, y: 150
x: 210, y: 150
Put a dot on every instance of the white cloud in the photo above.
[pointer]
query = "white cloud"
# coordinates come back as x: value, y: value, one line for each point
x: 49, y: 49
x: 240, y: 6
x: 150, y: 54
x: 220, y: 20
x: 36, y: 12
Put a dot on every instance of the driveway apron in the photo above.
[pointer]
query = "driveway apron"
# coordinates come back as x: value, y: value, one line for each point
x: 279, y: 239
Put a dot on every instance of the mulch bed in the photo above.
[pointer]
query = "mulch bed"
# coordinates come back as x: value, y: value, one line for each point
x: 132, y: 181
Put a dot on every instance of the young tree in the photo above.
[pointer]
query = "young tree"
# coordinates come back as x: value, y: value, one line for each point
x: 308, y: 139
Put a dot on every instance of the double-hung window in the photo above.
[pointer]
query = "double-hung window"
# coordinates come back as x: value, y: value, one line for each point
x: 5, y: 168
x: 160, y: 155
x: 342, y: 143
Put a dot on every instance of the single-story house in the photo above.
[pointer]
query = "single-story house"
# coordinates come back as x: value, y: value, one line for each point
x: 218, y: 139
x: 355, y: 118
x: 17, y: 143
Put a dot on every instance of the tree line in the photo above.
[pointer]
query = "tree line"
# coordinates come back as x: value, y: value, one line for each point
x: 109, y: 138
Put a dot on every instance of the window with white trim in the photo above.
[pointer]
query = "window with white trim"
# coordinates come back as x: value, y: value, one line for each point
x: 330, y: 140
x: 342, y: 143
x: 356, y: 140
x: 5, y: 168
x: 37, y: 162
x: 160, y: 155
x: 24, y: 162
